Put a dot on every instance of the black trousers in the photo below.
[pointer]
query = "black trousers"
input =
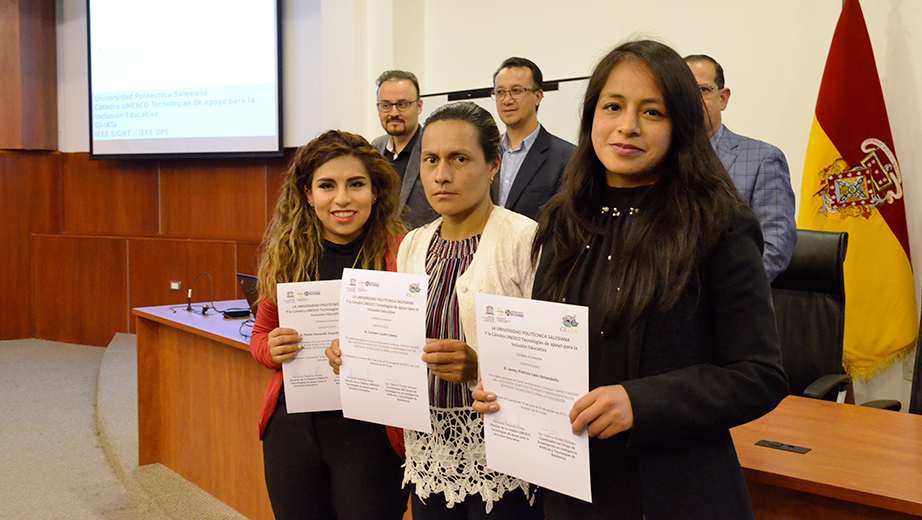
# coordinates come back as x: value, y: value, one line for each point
x: 513, y: 506
x: 323, y: 466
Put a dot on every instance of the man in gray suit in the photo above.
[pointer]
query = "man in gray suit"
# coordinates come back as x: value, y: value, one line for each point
x: 533, y: 159
x: 399, y: 106
x: 758, y: 169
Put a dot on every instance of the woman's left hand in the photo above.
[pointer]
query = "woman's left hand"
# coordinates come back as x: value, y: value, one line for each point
x: 484, y: 402
x: 606, y: 411
x: 451, y: 360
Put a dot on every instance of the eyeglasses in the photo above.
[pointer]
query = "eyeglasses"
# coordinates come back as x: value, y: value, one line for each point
x: 707, y: 89
x: 402, y: 106
x: 515, y: 92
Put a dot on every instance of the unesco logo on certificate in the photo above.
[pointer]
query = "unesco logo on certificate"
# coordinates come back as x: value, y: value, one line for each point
x: 302, y: 296
x: 360, y: 286
x: 503, y: 315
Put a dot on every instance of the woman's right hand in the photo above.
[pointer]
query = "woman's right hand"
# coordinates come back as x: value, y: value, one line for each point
x: 283, y: 344
x: 484, y: 402
x: 334, y: 355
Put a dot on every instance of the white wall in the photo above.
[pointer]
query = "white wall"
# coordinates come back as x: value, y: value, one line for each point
x: 773, y: 54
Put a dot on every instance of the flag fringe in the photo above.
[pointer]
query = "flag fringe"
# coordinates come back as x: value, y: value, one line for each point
x: 866, y: 375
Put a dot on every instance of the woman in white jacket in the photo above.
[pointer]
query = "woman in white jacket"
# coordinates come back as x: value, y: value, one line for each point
x: 474, y: 247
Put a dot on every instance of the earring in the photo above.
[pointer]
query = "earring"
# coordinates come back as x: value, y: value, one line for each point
x: 374, y: 199
x: 491, y: 180
x: 311, y: 204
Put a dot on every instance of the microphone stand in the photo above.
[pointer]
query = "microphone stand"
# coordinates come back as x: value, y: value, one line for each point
x: 205, y: 307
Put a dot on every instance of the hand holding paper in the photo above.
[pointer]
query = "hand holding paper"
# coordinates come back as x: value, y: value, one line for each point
x: 606, y: 410
x: 284, y: 344
x: 451, y: 360
x: 334, y: 354
x: 484, y: 402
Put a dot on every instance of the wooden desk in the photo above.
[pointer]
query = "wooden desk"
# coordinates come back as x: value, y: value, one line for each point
x: 864, y: 463
x: 199, y: 396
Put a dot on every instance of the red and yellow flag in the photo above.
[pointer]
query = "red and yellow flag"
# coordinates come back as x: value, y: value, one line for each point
x: 852, y: 182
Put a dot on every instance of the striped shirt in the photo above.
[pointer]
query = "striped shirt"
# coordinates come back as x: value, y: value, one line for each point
x: 445, y: 262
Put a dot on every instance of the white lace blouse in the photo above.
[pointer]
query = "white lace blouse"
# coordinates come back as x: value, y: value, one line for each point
x: 452, y: 460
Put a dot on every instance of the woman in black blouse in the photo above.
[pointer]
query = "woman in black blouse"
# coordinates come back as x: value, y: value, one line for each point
x: 649, y: 230
x: 337, y: 209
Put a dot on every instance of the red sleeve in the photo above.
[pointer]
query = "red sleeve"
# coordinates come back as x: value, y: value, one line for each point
x: 267, y: 320
x: 394, y: 434
x: 391, y: 259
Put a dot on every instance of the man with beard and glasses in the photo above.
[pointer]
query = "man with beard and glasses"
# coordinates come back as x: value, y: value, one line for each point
x: 398, y: 108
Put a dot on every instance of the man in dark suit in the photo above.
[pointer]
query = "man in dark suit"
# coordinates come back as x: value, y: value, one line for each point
x: 758, y: 169
x: 399, y: 106
x: 533, y: 159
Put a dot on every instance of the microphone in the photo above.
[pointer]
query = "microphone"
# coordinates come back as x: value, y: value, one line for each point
x: 205, y: 308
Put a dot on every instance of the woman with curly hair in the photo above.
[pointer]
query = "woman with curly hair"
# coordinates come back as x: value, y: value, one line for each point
x: 338, y: 209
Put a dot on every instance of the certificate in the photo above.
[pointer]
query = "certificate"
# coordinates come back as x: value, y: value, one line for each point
x: 312, y: 309
x: 534, y: 356
x: 382, y: 335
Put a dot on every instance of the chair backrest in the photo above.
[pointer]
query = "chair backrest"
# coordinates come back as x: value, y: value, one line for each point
x: 809, y: 299
x: 915, y: 395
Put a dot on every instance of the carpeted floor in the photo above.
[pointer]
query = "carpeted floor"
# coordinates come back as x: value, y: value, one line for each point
x: 68, y: 439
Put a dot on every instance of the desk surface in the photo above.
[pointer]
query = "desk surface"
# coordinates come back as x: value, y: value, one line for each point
x: 861, y: 455
x: 212, y: 325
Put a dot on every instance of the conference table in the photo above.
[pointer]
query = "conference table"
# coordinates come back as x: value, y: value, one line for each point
x: 200, y: 392
x: 863, y: 463
x: 199, y: 396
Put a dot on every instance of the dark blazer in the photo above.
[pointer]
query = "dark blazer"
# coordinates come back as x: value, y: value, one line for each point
x: 713, y: 362
x: 414, y: 207
x: 539, y: 176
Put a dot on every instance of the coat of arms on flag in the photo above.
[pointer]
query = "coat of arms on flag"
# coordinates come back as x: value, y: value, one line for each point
x: 855, y: 191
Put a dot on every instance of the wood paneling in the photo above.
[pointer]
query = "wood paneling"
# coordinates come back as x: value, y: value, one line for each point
x: 10, y: 86
x: 81, y: 288
x: 276, y: 170
x: 149, y: 378
x: 39, y: 65
x: 247, y: 257
x: 174, y: 219
x: 217, y: 198
x: 28, y: 59
x: 153, y: 263
x: 30, y: 195
x: 778, y: 503
x: 111, y: 198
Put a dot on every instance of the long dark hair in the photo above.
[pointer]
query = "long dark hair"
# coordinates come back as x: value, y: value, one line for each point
x: 293, y: 243
x: 681, y: 216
